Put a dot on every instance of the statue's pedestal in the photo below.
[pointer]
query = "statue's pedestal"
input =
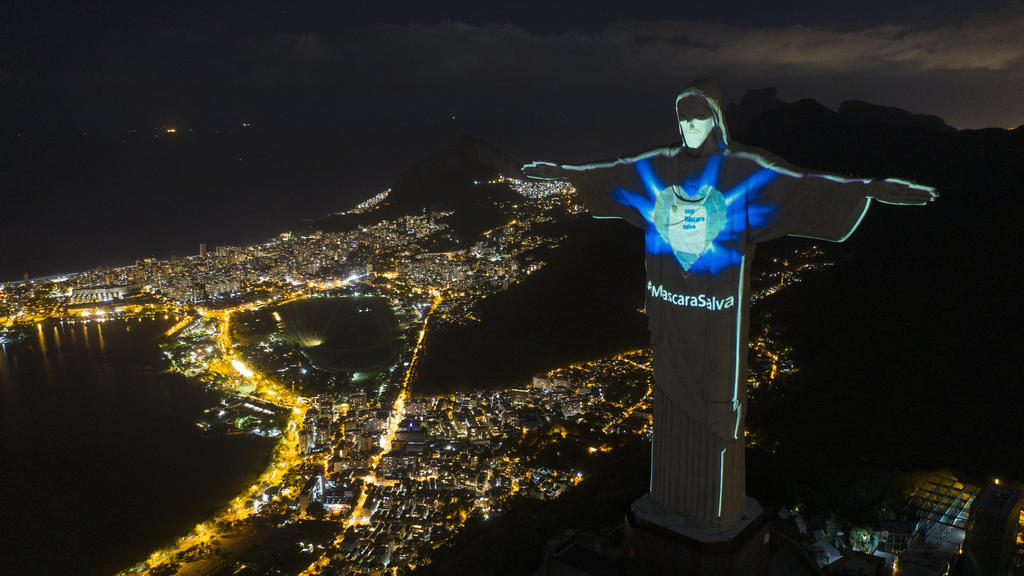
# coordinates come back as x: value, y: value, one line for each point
x: 659, y: 544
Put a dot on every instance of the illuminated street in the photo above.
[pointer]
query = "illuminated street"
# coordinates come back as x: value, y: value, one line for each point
x: 286, y: 456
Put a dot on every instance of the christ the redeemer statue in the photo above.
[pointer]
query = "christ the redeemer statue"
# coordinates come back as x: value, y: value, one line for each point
x: 703, y: 207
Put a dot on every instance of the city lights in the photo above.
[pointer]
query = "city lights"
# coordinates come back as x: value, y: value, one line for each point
x: 241, y: 368
x: 381, y: 452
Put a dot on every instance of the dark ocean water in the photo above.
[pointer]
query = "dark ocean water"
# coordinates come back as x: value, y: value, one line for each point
x: 100, y: 460
x: 71, y: 204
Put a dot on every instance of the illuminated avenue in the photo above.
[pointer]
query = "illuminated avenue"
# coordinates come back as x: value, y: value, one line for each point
x: 373, y: 480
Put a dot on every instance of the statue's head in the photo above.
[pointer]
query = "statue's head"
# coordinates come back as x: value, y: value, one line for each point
x: 699, y: 112
x: 695, y: 121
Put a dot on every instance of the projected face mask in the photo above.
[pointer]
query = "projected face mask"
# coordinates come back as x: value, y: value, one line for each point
x: 695, y: 121
x: 695, y: 131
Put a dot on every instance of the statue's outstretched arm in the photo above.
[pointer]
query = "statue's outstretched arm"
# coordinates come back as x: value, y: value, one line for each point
x: 821, y: 205
x: 541, y: 170
x: 600, y: 185
x: 888, y: 191
x: 901, y: 192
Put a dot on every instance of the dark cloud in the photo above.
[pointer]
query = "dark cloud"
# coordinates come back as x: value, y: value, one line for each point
x: 964, y: 71
x: 472, y: 56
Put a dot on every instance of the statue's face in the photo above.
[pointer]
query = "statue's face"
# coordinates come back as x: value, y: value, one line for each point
x: 695, y: 130
x: 695, y: 121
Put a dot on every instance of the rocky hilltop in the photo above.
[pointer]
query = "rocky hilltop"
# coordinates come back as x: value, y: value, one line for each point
x: 456, y: 178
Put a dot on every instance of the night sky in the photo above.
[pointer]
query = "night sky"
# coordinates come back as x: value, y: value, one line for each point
x: 340, y: 97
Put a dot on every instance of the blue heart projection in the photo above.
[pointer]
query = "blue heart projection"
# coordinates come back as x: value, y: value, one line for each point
x: 701, y: 225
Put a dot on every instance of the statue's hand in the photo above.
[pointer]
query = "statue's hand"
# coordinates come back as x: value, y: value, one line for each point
x: 901, y: 192
x: 543, y: 171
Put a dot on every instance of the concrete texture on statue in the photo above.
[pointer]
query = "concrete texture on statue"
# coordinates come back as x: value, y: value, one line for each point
x: 696, y: 475
x: 658, y: 543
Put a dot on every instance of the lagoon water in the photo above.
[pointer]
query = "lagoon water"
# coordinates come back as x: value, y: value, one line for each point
x: 343, y: 334
x: 100, y: 459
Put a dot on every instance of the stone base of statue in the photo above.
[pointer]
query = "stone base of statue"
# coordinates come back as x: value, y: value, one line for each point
x: 657, y: 544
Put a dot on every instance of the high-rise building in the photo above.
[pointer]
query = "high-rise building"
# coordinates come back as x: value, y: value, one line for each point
x: 357, y: 400
x: 991, y: 532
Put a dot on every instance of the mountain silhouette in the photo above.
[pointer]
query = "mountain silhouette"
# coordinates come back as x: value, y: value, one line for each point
x: 911, y: 331
x: 455, y: 179
x: 449, y: 178
x: 859, y: 112
x: 753, y: 104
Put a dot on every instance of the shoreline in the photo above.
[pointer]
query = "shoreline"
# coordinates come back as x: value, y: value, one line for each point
x: 99, y: 439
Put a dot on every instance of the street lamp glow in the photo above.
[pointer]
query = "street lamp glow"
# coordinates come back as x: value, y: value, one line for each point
x: 242, y: 369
